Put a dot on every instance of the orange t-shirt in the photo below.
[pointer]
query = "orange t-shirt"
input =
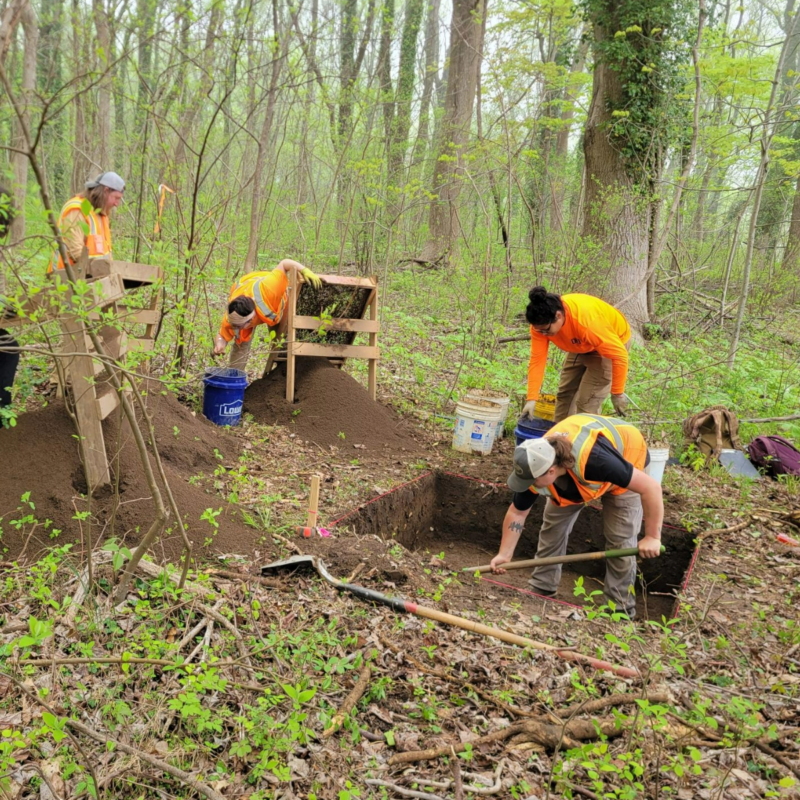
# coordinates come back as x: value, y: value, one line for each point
x: 272, y: 287
x: 590, y: 325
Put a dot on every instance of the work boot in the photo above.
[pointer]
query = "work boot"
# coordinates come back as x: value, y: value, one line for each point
x: 541, y: 592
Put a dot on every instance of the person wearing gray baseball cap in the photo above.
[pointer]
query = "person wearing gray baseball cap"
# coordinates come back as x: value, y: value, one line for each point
x: 84, y: 219
x: 585, y: 457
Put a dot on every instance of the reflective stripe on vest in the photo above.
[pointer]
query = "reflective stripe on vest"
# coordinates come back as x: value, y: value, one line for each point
x: 262, y: 307
x: 604, y: 424
x: 97, y: 231
x: 595, y: 423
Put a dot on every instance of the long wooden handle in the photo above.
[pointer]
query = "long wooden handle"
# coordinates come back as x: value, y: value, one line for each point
x: 543, y: 562
x: 409, y: 607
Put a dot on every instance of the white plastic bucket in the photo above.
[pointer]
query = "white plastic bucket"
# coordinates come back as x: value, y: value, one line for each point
x: 492, y: 396
x: 658, y: 460
x: 476, y: 426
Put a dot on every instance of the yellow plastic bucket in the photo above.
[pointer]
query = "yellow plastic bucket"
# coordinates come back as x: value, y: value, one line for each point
x: 545, y: 407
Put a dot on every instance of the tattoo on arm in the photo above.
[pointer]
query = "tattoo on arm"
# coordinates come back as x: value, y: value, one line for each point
x: 515, y: 526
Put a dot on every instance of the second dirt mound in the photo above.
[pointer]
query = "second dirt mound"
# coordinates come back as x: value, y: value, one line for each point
x: 330, y: 409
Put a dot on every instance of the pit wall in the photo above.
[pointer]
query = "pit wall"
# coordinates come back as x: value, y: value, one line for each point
x: 441, y: 508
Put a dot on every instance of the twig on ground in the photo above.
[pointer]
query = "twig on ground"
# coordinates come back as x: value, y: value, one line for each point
x: 583, y: 792
x: 154, y: 571
x: 401, y: 791
x: 437, y: 673
x: 350, y: 701
x: 200, y: 787
x: 732, y: 529
x: 228, y: 625
x: 34, y: 696
x: 270, y: 583
x: 458, y: 785
x: 355, y: 573
x: 612, y: 700
x: 291, y: 545
x: 535, y: 730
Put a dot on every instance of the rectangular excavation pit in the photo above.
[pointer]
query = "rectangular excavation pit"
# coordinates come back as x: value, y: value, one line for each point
x: 462, y: 517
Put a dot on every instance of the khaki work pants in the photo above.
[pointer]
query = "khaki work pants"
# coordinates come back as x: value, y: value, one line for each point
x: 240, y: 354
x: 622, y: 521
x: 584, y: 384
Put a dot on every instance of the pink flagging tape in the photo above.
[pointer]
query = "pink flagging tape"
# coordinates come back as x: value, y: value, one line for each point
x: 689, y: 571
x: 380, y: 497
x: 533, y: 594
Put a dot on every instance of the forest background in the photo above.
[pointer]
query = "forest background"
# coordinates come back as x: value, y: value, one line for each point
x: 647, y: 152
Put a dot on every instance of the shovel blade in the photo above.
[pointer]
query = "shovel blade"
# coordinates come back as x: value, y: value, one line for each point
x: 287, y: 563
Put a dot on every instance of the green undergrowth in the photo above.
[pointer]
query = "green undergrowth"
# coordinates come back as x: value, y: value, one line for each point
x: 234, y: 684
x: 439, y: 338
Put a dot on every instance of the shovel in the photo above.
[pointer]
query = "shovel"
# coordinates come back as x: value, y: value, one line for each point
x: 408, y: 607
x: 600, y: 555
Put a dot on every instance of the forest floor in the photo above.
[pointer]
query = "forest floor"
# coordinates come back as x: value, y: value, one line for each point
x: 280, y: 687
x: 437, y: 712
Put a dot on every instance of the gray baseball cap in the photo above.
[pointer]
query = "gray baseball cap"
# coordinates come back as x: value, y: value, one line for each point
x: 110, y: 179
x: 531, y: 460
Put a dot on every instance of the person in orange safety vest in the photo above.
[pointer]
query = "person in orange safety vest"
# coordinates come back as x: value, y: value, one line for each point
x: 84, y: 220
x: 596, y: 338
x: 583, y: 458
x: 257, y: 298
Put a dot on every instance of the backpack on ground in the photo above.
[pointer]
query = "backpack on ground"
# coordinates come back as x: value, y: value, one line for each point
x: 775, y: 455
x: 712, y: 431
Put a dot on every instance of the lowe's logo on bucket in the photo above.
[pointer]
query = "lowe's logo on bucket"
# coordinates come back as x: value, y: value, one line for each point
x: 477, y: 429
x: 230, y: 409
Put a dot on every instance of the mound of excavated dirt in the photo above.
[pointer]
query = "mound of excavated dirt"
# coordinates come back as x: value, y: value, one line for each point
x: 331, y: 409
x: 40, y: 456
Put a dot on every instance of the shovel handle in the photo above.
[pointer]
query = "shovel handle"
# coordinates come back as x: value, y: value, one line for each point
x: 543, y: 562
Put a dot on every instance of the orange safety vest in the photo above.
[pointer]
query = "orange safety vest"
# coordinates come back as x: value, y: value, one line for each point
x: 251, y: 285
x: 98, y: 239
x: 582, y: 431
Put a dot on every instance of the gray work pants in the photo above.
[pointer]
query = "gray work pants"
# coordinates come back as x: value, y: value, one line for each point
x: 240, y: 353
x: 622, y: 521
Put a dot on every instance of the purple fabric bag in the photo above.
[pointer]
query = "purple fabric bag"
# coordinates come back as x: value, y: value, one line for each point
x: 775, y: 455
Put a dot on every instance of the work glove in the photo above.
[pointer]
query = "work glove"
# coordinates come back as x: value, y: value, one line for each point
x: 528, y: 408
x: 311, y: 277
x: 620, y: 403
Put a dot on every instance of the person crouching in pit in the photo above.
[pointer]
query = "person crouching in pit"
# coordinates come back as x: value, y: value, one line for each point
x: 585, y: 457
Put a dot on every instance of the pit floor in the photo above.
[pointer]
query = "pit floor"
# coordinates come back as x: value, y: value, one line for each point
x: 462, y: 518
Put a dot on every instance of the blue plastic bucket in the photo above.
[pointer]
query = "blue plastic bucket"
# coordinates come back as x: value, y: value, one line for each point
x: 223, y: 395
x: 531, y: 428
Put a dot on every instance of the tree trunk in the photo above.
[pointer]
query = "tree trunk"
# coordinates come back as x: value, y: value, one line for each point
x: 81, y: 165
x: 791, y: 255
x: 49, y: 81
x: 773, y: 208
x: 304, y: 178
x: 431, y: 69
x: 278, y: 58
x: 562, y: 139
x: 401, y: 124
x: 462, y: 80
x: 616, y: 211
x: 385, y: 69
x: 104, y: 86
x: 23, y: 13
x: 769, y: 131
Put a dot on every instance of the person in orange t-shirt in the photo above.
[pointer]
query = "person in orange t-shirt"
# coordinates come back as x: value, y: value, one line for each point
x: 596, y: 338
